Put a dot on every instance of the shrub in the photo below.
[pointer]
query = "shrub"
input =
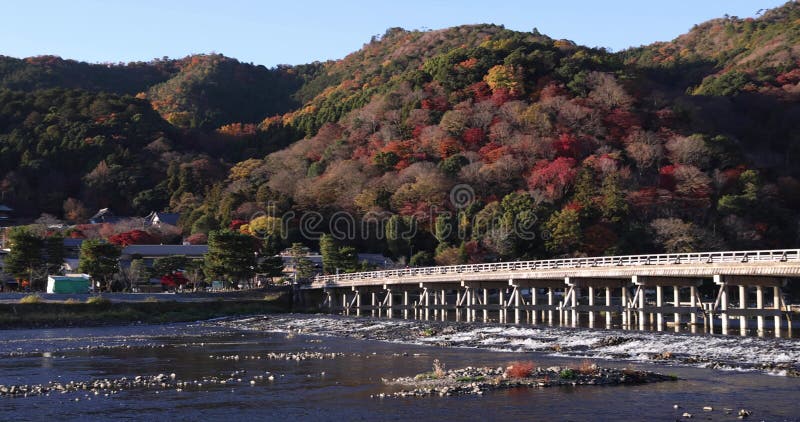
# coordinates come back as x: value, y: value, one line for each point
x: 520, y: 369
x: 34, y: 298
x: 567, y: 374
x: 438, y: 368
x: 587, y: 367
x: 427, y: 332
x: 98, y: 300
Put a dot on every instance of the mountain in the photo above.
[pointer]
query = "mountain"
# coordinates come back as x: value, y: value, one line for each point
x: 607, y: 153
x: 483, y: 142
x: 730, y: 55
x: 209, y: 91
x: 43, y: 72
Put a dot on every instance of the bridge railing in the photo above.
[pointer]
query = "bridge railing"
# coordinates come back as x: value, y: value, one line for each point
x: 779, y: 255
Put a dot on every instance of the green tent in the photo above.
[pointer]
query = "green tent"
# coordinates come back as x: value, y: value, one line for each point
x: 73, y: 283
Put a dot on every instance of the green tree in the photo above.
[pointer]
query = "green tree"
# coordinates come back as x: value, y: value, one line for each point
x: 613, y: 206
x: 397, y: 238
x: 271, y: 263
x: 54, y: 254
x: 585, y: 190
x: 743, y: 203
x: 169, y: 265
x: 331, y: 261
x: 231, y: 256
x: 303, y: 267
x: 422, y: 259
x: 565, y: 231
x: 24, y: 261
x: 100, y: 260
x: 348, y: 259
x: 205, y: 224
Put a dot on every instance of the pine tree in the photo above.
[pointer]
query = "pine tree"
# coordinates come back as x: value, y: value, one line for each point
x: 614, y: 206
x: 231, y: 256
x: 271, y: 264
x: 54, y: 254
x: 565, y: 231
x: 24, y: 261
x: 303, y: 268
x: 330, y: 254
x: 348, y: 259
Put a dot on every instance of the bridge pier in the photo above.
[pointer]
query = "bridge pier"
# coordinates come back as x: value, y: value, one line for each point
x: 532, y: 307
x: 357, y: 298
x: 501, y: 297
x: 776, y: 304
x: 743, y: 310
x: 626, y: 306
x: 676, y: 308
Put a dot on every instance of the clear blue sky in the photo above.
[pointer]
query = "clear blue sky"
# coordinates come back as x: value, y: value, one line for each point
x: 301, y: 31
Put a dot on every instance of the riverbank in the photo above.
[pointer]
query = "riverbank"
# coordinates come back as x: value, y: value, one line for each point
x: 99, y: 312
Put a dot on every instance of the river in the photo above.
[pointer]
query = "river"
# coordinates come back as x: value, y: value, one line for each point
x: 348, y: 386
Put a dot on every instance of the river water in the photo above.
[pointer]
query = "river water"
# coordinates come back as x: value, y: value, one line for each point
x: 348, y: 386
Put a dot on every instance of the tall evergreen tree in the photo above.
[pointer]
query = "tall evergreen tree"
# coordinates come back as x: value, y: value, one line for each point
x: 271, y: 263
x: 614, y: 206
x: 330, y: 255
x: 348, y: 259
x: 303, y: 267
x: 231, y: 256
x: 54, y: 254
x: 24, y: 261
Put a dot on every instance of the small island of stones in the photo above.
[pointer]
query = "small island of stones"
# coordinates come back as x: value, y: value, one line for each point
x: 477, y: 381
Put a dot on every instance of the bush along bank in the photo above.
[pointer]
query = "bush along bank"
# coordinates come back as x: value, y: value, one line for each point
x: 104, y: 312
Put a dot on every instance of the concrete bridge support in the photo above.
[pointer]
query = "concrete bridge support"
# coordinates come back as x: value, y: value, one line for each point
x: 743, y: 310
x: 661, y: 308
x: 593, y: 286
x: 531, y: 307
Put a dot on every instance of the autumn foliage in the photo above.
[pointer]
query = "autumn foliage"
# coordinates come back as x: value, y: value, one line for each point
x: 520, y: 369
x: 133, y: 237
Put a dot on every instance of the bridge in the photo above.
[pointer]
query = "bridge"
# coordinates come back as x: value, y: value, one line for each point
x: 746, y: 285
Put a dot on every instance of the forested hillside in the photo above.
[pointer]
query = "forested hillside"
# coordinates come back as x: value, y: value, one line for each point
x: 559, y: 149
x: 730, y: 55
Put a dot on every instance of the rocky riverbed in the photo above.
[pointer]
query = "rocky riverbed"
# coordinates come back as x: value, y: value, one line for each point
x: 776, y: 356
x: 106, y: 387
x: 477, y: 381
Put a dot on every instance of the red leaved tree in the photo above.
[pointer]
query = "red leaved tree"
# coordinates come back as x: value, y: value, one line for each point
x: 133, y: 237
x: 553, y: 178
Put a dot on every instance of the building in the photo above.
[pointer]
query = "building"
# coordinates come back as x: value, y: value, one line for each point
x: 149, y: 253
x: 70, y: 283
x: 6, y: 215
x: 156, y: 218
x: 104, y: 216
